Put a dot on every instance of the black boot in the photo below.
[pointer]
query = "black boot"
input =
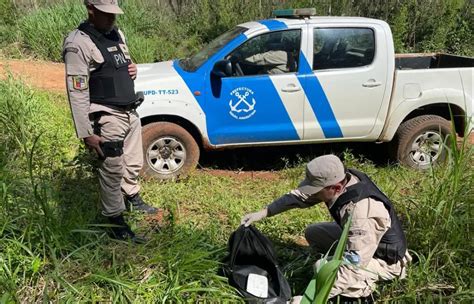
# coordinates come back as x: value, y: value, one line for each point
x: 122, y: 231
x: 135, y: 203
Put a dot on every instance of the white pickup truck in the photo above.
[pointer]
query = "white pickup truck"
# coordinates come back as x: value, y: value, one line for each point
x: 298, y: 79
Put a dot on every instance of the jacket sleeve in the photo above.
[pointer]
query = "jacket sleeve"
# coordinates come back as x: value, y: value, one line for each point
x: 275, y: 57
x: 77, y: 85
x: 293, y: 199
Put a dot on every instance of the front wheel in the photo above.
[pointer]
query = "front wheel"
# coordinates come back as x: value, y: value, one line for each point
x: 420, y: 142
x: 169, y: 151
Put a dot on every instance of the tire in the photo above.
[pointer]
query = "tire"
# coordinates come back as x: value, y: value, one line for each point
x: 420, y: 142
x: 169, y: 151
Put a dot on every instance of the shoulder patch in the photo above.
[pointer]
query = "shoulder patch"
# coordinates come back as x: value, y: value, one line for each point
x: 80, y: 82
x: 71, y: 49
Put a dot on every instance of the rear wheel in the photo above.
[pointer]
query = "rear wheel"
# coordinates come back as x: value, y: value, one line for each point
x: 420, y: 142
x: 169, y: 151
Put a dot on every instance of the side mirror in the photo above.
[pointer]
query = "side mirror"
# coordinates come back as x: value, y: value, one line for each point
x: 222, y: 68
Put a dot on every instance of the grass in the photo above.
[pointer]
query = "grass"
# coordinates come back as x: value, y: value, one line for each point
x: 52, y: 247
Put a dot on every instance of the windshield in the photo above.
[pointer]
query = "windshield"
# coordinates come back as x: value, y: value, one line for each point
x: 193, y: 63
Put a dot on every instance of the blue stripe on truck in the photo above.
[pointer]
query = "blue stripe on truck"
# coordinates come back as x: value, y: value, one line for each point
x: 273, y: 25
x: 318, y: 100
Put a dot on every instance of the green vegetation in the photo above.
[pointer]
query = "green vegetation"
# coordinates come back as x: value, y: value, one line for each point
x: 325, y: 273
x: 163, y: 30
x: 52, y: 246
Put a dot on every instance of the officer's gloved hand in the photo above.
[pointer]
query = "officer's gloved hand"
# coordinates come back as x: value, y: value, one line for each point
x: 253, y: 217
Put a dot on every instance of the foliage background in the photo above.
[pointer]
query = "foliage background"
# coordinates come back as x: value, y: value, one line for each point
x: 166, y: 29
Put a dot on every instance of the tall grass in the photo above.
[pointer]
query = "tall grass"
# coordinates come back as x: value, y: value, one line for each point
x: 162, y: 30
x: 440, y: 227
x: 43, y: 31
x: 8, y: 16
x: 52, y: 247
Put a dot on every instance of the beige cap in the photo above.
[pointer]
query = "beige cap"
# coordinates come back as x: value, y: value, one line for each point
x: 106, y: 6
x: 321, y: 172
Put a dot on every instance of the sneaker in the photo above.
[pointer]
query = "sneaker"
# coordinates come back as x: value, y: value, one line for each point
x: 136, y: 203
x: 121, y: 231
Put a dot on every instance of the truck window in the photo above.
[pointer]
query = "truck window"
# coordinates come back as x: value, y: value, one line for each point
x: 269, y: 53
x: 338, y: 48
x: 193, y: 63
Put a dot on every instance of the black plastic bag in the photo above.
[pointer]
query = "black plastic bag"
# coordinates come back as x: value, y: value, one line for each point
x: 250, y: 252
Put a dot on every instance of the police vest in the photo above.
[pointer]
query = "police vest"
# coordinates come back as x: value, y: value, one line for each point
x: 393, y: 245
x: 110, y: 83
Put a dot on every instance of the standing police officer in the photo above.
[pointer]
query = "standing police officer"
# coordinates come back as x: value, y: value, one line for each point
x: 99, y: 81
x: 376, y: 247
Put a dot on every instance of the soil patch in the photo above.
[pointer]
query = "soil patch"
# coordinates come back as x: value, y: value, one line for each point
x: 40, y: 74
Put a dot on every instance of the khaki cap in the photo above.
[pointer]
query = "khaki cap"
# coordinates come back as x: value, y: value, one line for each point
x: 106, y: 6
x: 321, y: 172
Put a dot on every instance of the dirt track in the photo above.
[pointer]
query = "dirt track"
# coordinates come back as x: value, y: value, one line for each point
x: 41, y: 74
x: 50, y: 76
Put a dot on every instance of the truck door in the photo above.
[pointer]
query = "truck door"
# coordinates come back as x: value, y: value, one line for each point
x: 345, y: 81
x: 263, y: 100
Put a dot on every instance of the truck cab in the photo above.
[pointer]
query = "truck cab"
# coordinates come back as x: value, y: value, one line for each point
x: 288, y: 80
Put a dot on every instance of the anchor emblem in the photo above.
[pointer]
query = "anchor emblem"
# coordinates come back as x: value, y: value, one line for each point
x: 244, y: 106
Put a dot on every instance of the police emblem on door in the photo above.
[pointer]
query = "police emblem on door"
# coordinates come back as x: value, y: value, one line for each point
x: 242, y: 103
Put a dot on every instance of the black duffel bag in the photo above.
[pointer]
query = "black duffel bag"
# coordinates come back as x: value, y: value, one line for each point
x: 252, y: 268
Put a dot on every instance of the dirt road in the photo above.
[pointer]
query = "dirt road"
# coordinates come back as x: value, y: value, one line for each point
x: 41, y: 74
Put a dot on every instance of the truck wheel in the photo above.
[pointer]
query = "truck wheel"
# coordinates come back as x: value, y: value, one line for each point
x: 420, y: 142
x: 169, y: 151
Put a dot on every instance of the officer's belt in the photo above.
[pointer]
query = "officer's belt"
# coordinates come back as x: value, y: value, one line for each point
x: 125, y: 108
x: 129, y: 107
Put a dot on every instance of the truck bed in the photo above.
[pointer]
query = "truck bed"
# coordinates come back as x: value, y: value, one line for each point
x: 431, y: 61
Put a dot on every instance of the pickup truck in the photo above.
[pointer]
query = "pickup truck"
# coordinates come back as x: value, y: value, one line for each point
x: 298, y: 79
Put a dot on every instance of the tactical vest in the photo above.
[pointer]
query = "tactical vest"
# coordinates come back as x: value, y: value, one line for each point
x: 393, y: 245
x: 110, y: 83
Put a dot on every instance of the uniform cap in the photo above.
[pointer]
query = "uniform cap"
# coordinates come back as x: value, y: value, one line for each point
x: 106, y: 6
x: 321, y: 172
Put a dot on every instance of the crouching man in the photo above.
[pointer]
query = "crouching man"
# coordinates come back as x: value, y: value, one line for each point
x: 376, y: 247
